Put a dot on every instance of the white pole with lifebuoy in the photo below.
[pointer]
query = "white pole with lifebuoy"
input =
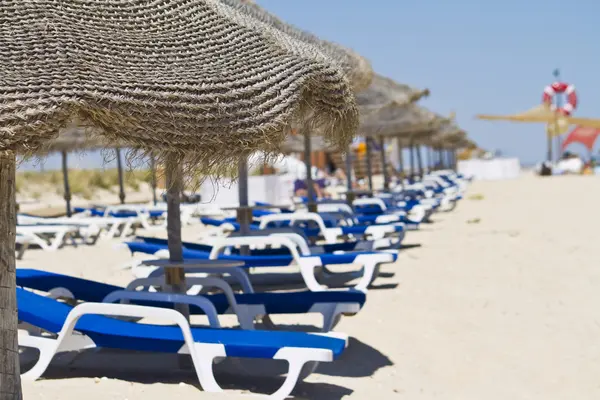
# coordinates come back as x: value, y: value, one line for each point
x: 552, y: 97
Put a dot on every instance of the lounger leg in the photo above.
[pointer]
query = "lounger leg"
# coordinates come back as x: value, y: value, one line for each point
x: 296, y: 359
x: 307, y: 270
x: 48, y: 348
x: 126, y: 227
x: 38, y: 241
x: 370, y: 272
x: 57, y: 242
x: 203, y: 358
x: 370, y: 264
x: 112, y: 232
x: 331, y: 317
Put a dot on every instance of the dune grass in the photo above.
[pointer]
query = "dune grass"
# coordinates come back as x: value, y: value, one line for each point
x: 83, y: 182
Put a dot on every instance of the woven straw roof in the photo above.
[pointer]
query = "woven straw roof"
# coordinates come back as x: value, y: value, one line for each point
x: 295, y: 144
x: 72, y: 139
x: 357, y: 68
x: 448, y: 136
x: 410, y: 121
x: 180, y: 76
x: 385, y: 92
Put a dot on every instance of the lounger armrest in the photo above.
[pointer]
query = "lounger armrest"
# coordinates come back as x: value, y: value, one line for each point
x: 204, y: 282
x: 198, y: 301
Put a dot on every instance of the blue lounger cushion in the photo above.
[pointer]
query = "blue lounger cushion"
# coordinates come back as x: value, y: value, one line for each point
x: 50, y: 315
x: 324, y: 248
x: 309, y: 232
x: 274, y: 302
x: 251, y: 261
x: 97, y: 212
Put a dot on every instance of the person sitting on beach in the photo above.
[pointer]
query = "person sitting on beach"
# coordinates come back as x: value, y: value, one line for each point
x: 301, y: 190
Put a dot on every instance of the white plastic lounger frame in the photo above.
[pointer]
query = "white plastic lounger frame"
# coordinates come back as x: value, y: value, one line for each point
x: 331, y: 235
x: 142, y: 216
x: 57, y: 235
x: 308, y: 264
x: 381, y: 219
x: 412, y: 216
x: 246, y: 314
x: 89, y: 228
x: 203, y: 354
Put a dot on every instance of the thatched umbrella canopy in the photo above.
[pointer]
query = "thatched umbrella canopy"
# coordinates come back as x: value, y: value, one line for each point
x: 194, y: 81
x: 375, y: 102
x: 409, y: 123
x: 296, y: 144
x: 357, y: 69
x: 445, y: 141
x: 406, y: 121
x: 385, y: 92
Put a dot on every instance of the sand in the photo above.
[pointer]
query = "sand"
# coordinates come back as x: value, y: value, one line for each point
x: 500, y: 302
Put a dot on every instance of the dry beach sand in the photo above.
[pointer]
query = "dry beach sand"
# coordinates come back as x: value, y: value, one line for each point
x: 500, y: 302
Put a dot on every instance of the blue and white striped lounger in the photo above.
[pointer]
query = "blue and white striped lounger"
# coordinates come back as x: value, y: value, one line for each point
x: 89, y: 325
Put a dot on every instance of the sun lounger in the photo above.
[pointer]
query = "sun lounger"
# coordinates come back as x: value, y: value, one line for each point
x: 89, y: 325
x: 309, y: 264
x: 48, y: 237
x: 331, y: 234
x: 315, y: 225
x: 125, y: 221
x: 377, y: 207
x: 297, y: 236
x: 89, y: 228
x: 246, y: 306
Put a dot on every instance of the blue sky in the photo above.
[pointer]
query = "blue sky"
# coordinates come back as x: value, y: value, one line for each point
x: 474, y: 56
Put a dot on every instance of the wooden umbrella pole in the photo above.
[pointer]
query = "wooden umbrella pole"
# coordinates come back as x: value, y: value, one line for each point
x: 120, y: 172
x: 310, y: 188
x: 419, y: 160
x: 411, y: 147
x: 10, y: 377
x: 349, y: 193
x: 153, y: 179
x: 386, y: 179
x: 401, y: 159
x: 67, y: 187
x: 369, y: 165
x: 175, y: 277
x: 431, y: 158
x: 244, y: 213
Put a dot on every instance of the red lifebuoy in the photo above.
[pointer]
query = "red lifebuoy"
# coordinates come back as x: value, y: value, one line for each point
x: 559, y: 88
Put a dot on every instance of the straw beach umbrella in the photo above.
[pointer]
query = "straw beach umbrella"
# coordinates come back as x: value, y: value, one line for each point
x: 193, y: 81
x: 446, y: 141
x: 382, y: 96
x: 408, y: 122
x: 556, y: 121
x: 357, y: 69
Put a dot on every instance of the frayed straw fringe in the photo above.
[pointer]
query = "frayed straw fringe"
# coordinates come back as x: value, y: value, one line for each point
x: 194, y: 78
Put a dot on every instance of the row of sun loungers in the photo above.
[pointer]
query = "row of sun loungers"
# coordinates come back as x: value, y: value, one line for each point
x: 77, y: 314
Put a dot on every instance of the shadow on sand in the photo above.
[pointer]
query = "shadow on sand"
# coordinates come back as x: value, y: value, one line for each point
x: 255, y: 376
